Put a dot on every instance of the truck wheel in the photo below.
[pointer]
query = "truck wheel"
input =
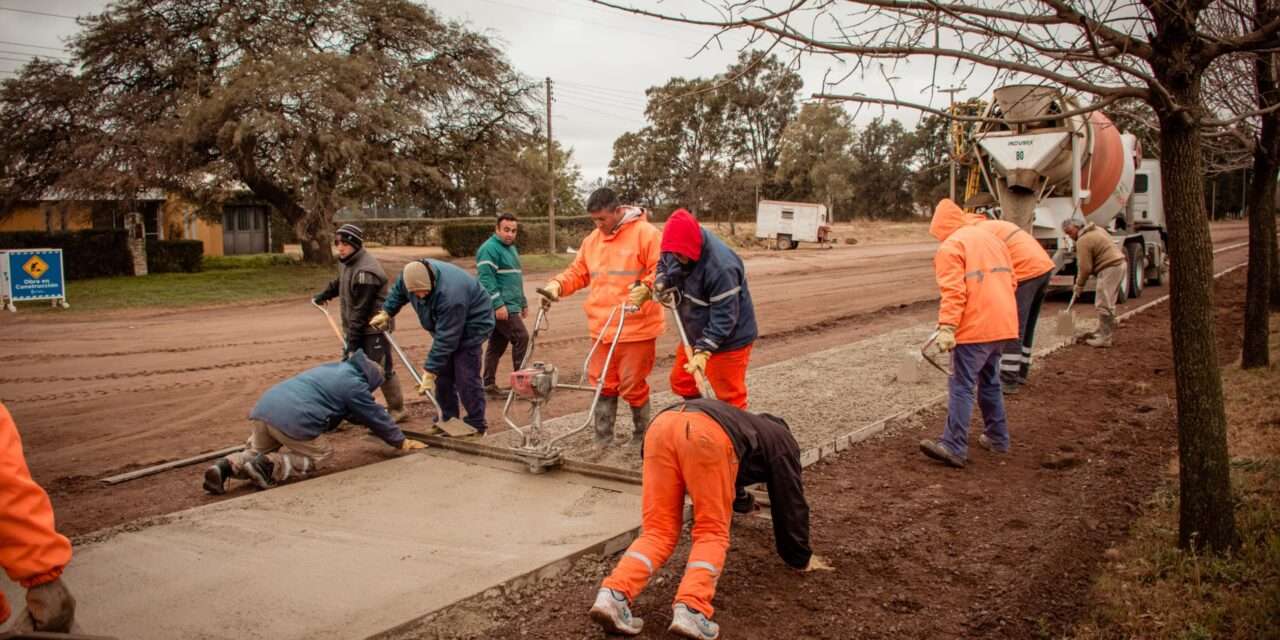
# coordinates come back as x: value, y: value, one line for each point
x: 1137, y: 272
x: 1123, y: 296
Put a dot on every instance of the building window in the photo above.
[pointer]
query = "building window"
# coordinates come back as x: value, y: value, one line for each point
x: 1140, y: 183
x: 788, y: 214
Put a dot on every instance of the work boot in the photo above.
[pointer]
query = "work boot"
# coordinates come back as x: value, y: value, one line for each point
x: 613, y: 613
x: 260, y: 469
x: 494, y: 391
x: 1102, y: 340
x: 938, y: 452
x: 986, y: 443
x: 394, y: 396
x: 743, y: 502
x: 639, y: 422
x: 604, y: 416
x: 215, y: 477
x: 687, y: 623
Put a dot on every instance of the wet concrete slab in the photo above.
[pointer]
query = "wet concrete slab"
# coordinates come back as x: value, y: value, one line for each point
x: 341, y: 556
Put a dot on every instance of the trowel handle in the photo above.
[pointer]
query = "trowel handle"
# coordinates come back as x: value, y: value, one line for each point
x: 333, y: 325
x: 413, y: 371
x: 1073, y: 301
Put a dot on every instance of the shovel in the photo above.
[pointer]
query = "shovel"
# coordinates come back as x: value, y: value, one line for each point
x: 924, y: 353
x: 332, y: 325
x: 1066, y: 321
x: 704, y: 385
x: 453, y: 426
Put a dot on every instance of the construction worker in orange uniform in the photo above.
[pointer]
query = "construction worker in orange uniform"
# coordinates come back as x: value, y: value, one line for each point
x: 621, y: 254
x: 32, y: 552
x: 714, y: 305
x: 1032, y: 268
x: 707, y: 449
x: 977, y: 315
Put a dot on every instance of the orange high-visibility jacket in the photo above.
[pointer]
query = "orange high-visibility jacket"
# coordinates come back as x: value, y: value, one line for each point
x: 31, y: 551
x: 1030, y: 260
x: 610, y: 264
x: 975, y: 277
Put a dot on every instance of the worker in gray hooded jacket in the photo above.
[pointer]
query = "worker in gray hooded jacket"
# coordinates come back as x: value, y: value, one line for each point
x: 361, y: 288
x: 291, y: 418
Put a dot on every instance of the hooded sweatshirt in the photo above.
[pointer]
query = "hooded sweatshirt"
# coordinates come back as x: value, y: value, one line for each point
x: 715, y: 303
x: 610, y: 263
x: 974, y: 272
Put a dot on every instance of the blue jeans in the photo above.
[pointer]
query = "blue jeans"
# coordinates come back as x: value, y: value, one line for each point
x: 975, y: 365
x: 460, y: 378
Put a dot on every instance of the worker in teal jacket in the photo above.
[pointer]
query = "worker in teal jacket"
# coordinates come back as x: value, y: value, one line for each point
x: 498, y: 266
x: 456, y: 311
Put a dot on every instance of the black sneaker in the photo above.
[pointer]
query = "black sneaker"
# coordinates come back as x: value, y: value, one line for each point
x: 744, y: 502
x: 215, y: 477
x: 259, y: 469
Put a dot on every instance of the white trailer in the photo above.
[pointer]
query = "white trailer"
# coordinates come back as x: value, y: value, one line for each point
x: 790, y: 223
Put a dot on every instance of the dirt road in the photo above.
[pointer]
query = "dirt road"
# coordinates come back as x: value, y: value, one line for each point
x: 96, y: 395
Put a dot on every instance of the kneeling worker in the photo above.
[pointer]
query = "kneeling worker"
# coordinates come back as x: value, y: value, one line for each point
x: 707, y: 449
x: 295, y: 414
x: 715, y: 308
x: 457, y: 312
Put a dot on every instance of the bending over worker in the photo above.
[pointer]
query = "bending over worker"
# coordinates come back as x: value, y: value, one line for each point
x: 977, y: 315
x: 456, y: 311
x: 291, y: 418
x: 709, y: 450
x: 498, y: 268
x: 1032, y: 268
x: 33, y: 553
x: 621, y: 254
x: 1096, y: 253
x: 361, y: 288
x: 715, y: 308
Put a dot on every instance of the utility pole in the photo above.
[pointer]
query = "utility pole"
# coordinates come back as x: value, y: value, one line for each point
x: 551, y: 179
x: 951, y: 145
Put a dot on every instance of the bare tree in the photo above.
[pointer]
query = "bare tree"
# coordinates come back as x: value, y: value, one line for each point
x: 1156, y: 51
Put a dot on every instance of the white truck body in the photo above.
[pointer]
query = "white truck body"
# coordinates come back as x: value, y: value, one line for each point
x: 790, y: 223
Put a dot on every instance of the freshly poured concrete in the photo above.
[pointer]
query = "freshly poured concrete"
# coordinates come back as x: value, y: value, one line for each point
x: 341, y: 556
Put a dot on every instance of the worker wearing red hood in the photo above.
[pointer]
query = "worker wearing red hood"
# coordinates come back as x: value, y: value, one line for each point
x: 620, y: 255
x: 715, y: 308
x: 978, y: 314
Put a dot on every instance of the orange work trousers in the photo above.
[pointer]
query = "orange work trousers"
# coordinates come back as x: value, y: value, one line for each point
x: 684, y: 452
x: 631, y: 365
x: 726, y: 371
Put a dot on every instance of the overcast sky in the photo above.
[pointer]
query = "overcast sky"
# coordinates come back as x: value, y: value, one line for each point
x: 600, y: 60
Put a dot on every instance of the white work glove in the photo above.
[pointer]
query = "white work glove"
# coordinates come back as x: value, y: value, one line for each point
x: 552, y: 290
x: 412, y: 445
x: 698, y: 363
x: 428, y: 384
x: 638, y: 294
x: 381, y: 321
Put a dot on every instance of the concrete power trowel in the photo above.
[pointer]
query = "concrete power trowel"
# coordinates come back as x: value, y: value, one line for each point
x: 536, y: 382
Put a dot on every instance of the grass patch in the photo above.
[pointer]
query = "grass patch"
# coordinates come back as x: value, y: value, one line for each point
x: 225, y: 280
x: 545, y: 261
x: 1151, y: 589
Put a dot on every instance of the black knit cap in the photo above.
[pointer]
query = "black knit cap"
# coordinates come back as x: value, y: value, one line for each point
x: 351, y: 234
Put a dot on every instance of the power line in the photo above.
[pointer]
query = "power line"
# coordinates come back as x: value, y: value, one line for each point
x: 32, y: 46
x: 33, y: 55
x: 605, y: 100
x: 556, y: 14
x: 40, y: 13
x: 8, y: 59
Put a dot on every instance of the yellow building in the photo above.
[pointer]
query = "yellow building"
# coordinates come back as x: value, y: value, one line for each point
x: 245, y: 228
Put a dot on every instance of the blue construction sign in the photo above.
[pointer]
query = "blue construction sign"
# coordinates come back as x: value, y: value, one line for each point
x: 32, y: 274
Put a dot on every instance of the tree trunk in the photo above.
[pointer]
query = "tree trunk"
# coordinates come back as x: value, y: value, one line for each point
x: 1206, y: 516
x: 315, y: 233
x: 1262, y: 231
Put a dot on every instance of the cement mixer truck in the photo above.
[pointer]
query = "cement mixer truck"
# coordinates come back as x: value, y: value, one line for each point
x: 1042, y: 168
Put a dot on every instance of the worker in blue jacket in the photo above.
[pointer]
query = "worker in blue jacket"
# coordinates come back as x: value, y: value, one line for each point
x: 458, y: 313
x: 715, y: 309
x: 291, y: 418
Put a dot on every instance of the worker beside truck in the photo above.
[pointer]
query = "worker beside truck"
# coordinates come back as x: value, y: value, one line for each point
x: 1097, y: 254
x: 706, y: 449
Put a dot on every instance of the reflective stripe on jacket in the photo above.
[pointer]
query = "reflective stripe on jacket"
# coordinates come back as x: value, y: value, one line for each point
x: 975, y: 277
x: 1030, y: 260
x: 715, y: 303
x: 33, y: 552
x: 498, y: 269
x: 610, y: 264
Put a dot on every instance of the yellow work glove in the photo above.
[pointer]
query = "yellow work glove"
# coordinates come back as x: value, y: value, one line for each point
x: 638, y: 294
x: 428, y: 384
x: 553, y: 291
x: 412, y: 445
x: 946, y: 339
x: 381, y: 321
x: 698, y: 363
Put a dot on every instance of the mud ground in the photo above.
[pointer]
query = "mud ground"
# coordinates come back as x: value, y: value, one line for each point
x: 1005, y: 548
x: 107, y: 393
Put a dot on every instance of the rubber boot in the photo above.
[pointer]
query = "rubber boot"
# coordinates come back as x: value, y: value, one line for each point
x: 639, y: 422
x: 215, y: 477
x: 1106, y: 325
x: 604, y: 416
x: 394, y: 396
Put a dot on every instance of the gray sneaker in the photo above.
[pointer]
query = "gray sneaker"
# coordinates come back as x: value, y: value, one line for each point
x: 687, y: 623
x: 260, y: 470
x: 938, y: 452
x: 612, y: 612
x: 985, y: 443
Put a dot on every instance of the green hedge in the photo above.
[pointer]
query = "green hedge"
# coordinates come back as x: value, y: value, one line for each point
x: 463, y: 239
x: 172, y: 256
x: 92, y: 253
